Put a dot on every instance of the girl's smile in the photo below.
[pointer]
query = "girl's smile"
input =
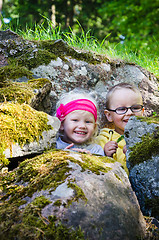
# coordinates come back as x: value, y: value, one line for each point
x: 78, y: 127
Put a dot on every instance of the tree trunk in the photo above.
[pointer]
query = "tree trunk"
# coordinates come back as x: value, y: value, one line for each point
x: 53, y: 15
x: 1, y: 2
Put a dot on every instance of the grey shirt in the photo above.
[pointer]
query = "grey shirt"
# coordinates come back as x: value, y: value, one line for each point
x: 93, y: 148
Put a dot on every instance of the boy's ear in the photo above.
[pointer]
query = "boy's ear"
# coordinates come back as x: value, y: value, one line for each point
x: 108, y: 115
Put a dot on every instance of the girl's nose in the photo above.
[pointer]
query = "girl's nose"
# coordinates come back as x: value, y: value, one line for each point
x: 82, y: 124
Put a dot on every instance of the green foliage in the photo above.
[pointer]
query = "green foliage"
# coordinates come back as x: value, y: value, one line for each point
x: 81, y: 23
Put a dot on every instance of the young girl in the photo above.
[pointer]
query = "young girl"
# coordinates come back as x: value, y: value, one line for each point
x: 77, y: 111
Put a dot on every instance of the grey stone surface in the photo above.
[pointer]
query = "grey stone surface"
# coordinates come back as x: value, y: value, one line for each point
x: 143, y: 176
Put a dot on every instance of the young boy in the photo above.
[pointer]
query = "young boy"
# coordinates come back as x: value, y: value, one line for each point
x: 123, y: 101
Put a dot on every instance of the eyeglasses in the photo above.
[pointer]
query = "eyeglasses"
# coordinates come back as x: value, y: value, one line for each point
x: 123, y: 110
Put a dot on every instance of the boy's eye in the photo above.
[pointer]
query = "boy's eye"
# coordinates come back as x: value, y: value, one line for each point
x: 136, y: 107
x: 121, y: 110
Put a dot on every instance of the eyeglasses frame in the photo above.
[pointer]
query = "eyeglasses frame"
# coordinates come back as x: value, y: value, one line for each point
x: 114, y: 110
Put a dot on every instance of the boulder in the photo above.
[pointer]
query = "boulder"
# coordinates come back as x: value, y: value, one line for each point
x: 67, y: 68
x: 142, y: 140
x: 67, y: 195
x: 25, y: 131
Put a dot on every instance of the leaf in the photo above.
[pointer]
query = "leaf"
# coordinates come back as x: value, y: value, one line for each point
x: 120, y: 138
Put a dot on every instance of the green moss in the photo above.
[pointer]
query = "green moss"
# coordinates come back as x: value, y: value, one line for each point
x: 62, y: 49
x: 144, y: 150
x: 30, y: 224
x: 58, y: 203
x: 39, y: 57
x: 13, y: 72
x: 79, y: 194
x: 153, y: 204
x: 21, y: 92
x: 118, y: 177
x: 47, y: 171
x: 149, y: 120
x: 38, y: 83
x: 20, y: 124
x: 95, y: 164
x: 17, y: 92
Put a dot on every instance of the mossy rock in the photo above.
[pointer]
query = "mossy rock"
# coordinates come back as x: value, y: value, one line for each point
x: 67, y: 195
x: 20, y: 124
x: 142, y: 139
x: 148, y: 145
x: 19, y: 91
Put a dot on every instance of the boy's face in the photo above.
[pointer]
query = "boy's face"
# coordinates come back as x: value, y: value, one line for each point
x: 123, y: 98
x: 78, y: 127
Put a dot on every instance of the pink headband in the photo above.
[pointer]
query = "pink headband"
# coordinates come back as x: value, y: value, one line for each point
x: 79, y: 104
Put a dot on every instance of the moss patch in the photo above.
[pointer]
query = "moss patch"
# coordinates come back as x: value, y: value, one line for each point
x: 17, y: 92
x: 149, y: 120
x: 62, y: 49
x: 20, y: 124
x: 93, y: 163
x: 153, y: 204
x: 21, y: 92
x: 39, y: 57
x: 37, y: 83
x: 144, y: 150
x: 30, y: 224
x: 12, y: 72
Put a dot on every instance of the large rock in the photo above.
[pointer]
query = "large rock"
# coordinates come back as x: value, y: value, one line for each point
x: 66, y: 195
x: 142, y: 140
x: 67, y: 68
x: 25, y: 131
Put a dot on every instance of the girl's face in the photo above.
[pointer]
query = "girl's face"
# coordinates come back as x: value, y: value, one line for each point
x: 78, y: 127
x: 123, y: 98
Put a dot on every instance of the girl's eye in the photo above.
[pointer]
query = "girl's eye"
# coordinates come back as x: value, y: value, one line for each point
x: 74, y: 120
x: 89, y: 121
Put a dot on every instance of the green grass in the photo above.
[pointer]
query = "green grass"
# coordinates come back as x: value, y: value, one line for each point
x: 142, y: 56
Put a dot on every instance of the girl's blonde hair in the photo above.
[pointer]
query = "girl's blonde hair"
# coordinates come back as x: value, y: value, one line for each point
x: 75, y: 94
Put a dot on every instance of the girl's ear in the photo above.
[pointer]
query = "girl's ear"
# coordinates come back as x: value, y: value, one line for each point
x: 62, y: 126
x: 95, y: 126
x: 108, y: 115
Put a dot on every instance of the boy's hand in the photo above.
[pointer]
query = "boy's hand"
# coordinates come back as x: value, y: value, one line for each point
x: 110, y: 148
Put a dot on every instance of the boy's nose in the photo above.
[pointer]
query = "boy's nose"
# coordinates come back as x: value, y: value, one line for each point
x: 129, y: 112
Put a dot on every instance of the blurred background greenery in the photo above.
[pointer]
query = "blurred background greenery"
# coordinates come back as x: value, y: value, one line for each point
x: 131, y: 27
